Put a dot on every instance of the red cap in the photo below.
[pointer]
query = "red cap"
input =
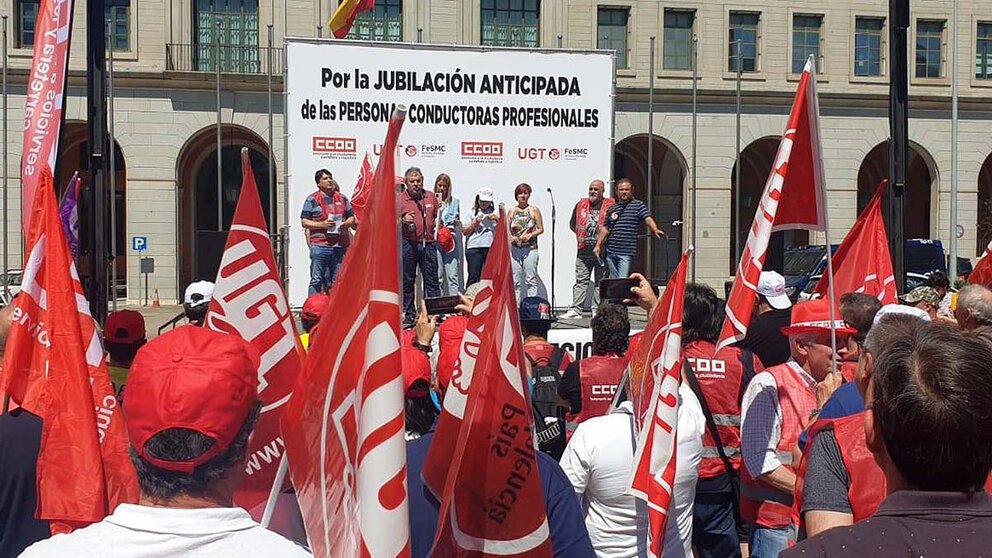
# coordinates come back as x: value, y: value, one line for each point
x: 416, y: 366
x: 814, y: 317
x: 124, y: 326
x: 194, y: 378
x: 313, y: 307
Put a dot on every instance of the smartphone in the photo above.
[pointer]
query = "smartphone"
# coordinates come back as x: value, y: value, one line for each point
x: 442, y: 305
x: 616, y: 289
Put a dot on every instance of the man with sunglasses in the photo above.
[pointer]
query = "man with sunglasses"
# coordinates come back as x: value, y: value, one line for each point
x: 587, y: 217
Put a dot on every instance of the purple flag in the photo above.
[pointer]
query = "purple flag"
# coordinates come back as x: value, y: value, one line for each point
x: 69, y: 213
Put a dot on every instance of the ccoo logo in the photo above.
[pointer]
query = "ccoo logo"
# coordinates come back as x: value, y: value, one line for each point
x: 334, y: 145
x: 482, y: 149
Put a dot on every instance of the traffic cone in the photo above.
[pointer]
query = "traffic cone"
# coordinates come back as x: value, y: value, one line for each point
x: 156, y: 303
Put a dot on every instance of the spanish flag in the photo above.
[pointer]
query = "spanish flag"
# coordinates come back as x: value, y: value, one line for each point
x: 344, y: 16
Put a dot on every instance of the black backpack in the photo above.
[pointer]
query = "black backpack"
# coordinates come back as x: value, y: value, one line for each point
x: 549, y: 417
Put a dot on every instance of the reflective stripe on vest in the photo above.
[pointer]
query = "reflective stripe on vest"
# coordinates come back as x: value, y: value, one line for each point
x: 727, y: 450
x: 727, y: 420
x: 760, y: 493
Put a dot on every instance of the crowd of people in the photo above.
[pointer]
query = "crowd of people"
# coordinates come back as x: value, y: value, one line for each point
x: 437, y: 243
x: 824, y: 432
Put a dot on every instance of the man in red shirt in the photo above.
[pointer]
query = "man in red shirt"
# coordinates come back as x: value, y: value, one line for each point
x: 548, y: 364
x: 718, y: 379
x: 418, y: 215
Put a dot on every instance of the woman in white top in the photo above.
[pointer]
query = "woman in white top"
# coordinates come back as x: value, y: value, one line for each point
x: 449, y: 215
x: 479, y: 232
x: 526, y: 225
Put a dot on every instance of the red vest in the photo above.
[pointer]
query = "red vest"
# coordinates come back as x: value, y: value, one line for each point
x: 336, y: 207
x: 598, y: 377
x: 761, y: 503
x: 867, y: 488
x: 721, y: 379
x: 582, y: 218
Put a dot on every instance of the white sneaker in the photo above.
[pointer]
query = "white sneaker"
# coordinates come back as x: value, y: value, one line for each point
x: 572, y: 314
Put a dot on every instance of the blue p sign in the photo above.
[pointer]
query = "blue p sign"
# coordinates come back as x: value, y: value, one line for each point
x: 139, y: 243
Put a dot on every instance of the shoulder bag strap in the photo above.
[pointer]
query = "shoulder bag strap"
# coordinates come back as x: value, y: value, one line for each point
x: 710, y: 423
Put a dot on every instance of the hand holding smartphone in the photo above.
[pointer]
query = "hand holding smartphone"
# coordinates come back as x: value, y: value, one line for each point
x: 442, y: 305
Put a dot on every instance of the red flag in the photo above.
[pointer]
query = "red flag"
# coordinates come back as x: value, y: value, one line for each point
x: 366, y: 179
x: 54, y: 367
x: 982, y: 273
x: 656, y: 402
x: 344, y: 424
x: 43, y: 105
x: 482, y: 464
x: 249, y: 301
x: 862, y: 263
x: 794, y: 198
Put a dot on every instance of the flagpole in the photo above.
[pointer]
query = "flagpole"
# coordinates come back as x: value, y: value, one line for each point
x: 695, y: 84
x: 271, y: 175
x: 6, y: 199
x: 220, y: 190
x: 952, y: 264
x: 650, y: 168
x: 113, y: 160
x: 737, y: 167
x: 270, y: 504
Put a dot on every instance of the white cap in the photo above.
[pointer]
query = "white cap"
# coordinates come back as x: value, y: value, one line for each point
x: 900, y: 309
x: 771, y: 285
x: 198, y: 293
x: 485, y: 194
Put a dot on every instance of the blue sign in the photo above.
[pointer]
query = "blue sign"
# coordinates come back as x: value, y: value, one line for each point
x: 139, y: 243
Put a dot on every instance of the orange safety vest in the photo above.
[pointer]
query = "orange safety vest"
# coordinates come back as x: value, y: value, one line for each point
x: 761, y: 503
x: 582, y: 218
x: 721, y: 379
x: 599, y: 377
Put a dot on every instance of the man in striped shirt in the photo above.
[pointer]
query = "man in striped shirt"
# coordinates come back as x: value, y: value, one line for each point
x: 619, y: 232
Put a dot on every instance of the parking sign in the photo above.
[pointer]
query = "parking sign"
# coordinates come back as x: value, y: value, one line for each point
x: 139, y: 243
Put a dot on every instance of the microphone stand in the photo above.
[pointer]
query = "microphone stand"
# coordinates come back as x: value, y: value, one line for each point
x: 554, y: 218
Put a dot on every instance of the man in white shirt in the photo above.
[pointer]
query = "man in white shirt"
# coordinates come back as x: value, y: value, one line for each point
x: 599, y: 460
x: 778, y: 405
x: 191, y: 405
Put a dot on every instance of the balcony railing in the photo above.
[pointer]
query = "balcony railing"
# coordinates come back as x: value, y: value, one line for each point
x: 234, y: 59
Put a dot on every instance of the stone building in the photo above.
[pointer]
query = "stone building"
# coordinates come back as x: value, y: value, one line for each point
x: 165, y: 109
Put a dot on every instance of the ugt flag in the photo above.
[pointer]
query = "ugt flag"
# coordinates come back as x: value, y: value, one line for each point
x: 344, y: 424
x: 482, y: 464
x: 794, y: 198
x: 655, y: 375
x: 249, y: 301
x: 862, y: 263
x: 54, y: 367
x: 43, y: 104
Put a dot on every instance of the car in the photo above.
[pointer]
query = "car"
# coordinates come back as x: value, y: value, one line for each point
x: 12, y: 278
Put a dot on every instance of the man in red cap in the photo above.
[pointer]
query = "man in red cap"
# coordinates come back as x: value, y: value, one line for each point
x: 313, y: 310
x: 192, y: 402
x: 124, y: 334
x: 778, y: 405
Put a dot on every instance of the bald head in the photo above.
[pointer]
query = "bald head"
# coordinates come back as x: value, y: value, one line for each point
x: 974, y: 307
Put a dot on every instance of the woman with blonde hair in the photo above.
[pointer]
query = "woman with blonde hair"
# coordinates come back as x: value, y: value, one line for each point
x: 449, y: 216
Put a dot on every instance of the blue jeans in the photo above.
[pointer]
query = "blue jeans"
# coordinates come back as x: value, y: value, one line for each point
x: 448, y: 273
x: 325, y: 261
x: 766, y: 542
x: 424, y: 256
x: 618, y: 266
x: 523, y: 260
x: 714, y: 531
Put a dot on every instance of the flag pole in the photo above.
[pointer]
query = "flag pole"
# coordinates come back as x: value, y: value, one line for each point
x: 695, y: 85
x: 737, y: 167
x: 220, y: 190
x: 113, y: 159
x: 6, y: 205
x: 271, y: 174
x: 270, y: 504
x: 650, y: 147
x: 952, y: 264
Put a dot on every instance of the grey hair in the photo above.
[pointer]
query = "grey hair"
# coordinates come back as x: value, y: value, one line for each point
x: 887, y: 328
x: 978, y: 301
x: 413, y: 170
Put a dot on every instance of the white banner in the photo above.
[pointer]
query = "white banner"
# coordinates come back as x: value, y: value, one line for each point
x: 488, y: 118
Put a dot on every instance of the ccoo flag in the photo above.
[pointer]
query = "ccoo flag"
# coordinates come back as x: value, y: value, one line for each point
x: 54, y: 367
x: 482, y: 464
x: 862, y: 263
x: 344, y: 424
x: 655, y: 375
x: 794, y: 198
x: 249, y: 301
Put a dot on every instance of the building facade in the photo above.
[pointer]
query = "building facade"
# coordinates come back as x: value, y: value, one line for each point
x: 165, y: 111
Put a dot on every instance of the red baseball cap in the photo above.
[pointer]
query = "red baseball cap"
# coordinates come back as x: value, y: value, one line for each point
x: 814, y: 317
x: 416, y: 366
x: 313, y: 307
x: 124, y: 326
x: 193, y: 378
